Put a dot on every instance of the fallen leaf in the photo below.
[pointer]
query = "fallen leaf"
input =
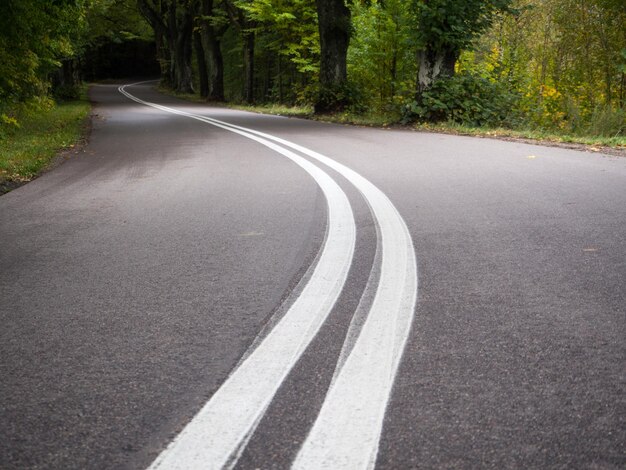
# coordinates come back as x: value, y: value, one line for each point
x: 251, y: 234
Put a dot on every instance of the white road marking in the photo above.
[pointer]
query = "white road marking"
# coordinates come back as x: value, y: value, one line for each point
x: 222, y: 427
x: 348, y: 428
x: 347, y: 431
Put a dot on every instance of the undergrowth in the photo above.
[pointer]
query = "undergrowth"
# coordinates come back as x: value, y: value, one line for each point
x: 32, y: 134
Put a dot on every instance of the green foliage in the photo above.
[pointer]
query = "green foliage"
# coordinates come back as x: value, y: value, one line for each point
x: 454, y: 24
x: 344, y: 97
x: 115, y: 21
x: 67, y: 92
x: 290, y: 27
x: 44, y: 128
x: 465, y: 99
x: 34, y: 36
x: 564, y: 57
x: 606, y: 121
x: 381, y: 59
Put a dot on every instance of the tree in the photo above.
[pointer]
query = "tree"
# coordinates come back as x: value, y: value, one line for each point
x: 172, y: 20
x: 564, y: 58
x: 213, y: 23
x: 444, y: 28
x: 246, y: 27
x: 36, y: 36
x: 334, y: 20
x: 288, y: 30
x: 381, y: 58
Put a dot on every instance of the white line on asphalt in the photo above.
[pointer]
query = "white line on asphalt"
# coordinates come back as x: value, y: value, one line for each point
x: 222, y: 427
x: 348, y: 428
x: 347, y: 431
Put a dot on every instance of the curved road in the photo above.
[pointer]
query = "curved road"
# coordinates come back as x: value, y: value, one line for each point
x: 208, y: 288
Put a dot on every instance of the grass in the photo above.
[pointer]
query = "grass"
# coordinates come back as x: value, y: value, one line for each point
x: 393, y: 120
x: 616, y: 142
x: 28, y: 148
x: 377, y: 119
x: 276, y: 109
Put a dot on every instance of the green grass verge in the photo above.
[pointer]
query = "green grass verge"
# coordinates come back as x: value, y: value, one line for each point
x: 276, y: 109
x: 27, y: 149
x: 616, y: 142
x: 391, y: 119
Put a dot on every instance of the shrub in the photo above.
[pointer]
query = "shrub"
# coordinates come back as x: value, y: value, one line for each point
x: 606, y: 121
x: 465, y: 99
x: 345, y: 97
x: 67, y: 92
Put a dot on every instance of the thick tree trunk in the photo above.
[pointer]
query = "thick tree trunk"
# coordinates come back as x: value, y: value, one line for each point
x: 183, y: 53
x: 203, y: 76
x: 213, y: 53
x: 248, y: 65
x: 155, y: 15
x: 171, y: 72
x: 245, y: 27
x: 216, y: 72
x: 172, y: 43
x: 433, y: 65
x: 334, y: 27
x: 68, y: 75
x: 163, y: 56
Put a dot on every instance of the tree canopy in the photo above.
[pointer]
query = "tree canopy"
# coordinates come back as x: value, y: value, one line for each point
x: 557, y: 64
x: 35, y: 35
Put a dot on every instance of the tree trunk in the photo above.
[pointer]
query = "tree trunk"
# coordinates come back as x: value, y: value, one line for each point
x: 248, y: 65
x: 183, y: 52
x: 334, y: 26
x: 202, y: 65
x: 213, y: 53
x: 280, y: 80
x: 155, y: 15
x: 163, y: 56
x: 433, y: 65
x: 216, y: 72
x: 172, y: 43
x: 245, y: 27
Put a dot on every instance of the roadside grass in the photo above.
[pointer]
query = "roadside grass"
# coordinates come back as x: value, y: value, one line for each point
x: 27, y: 148
x: 616, y: 142
x: 276, y: 109
x: 393, y: 120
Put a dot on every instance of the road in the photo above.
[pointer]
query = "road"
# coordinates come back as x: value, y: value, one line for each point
x: 203, y: 287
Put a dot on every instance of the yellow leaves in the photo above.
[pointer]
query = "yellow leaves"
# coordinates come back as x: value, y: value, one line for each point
x: 548, y: 91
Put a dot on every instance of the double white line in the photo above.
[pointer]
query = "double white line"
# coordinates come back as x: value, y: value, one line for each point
x: 347, y: 430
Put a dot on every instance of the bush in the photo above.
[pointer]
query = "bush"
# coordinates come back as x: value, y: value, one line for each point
x: 606, y: 121
x: 11, y: 114
x: 345, y: 97
x: 67, y: 92
x: 465, y: 99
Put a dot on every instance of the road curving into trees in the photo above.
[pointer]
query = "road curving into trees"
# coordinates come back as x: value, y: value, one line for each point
x: 204, y: 275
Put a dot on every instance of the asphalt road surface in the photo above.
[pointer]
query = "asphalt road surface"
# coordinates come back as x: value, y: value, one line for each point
x: 206, y: 288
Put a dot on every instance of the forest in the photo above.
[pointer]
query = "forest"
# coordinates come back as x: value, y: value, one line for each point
x: 552, y: 65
